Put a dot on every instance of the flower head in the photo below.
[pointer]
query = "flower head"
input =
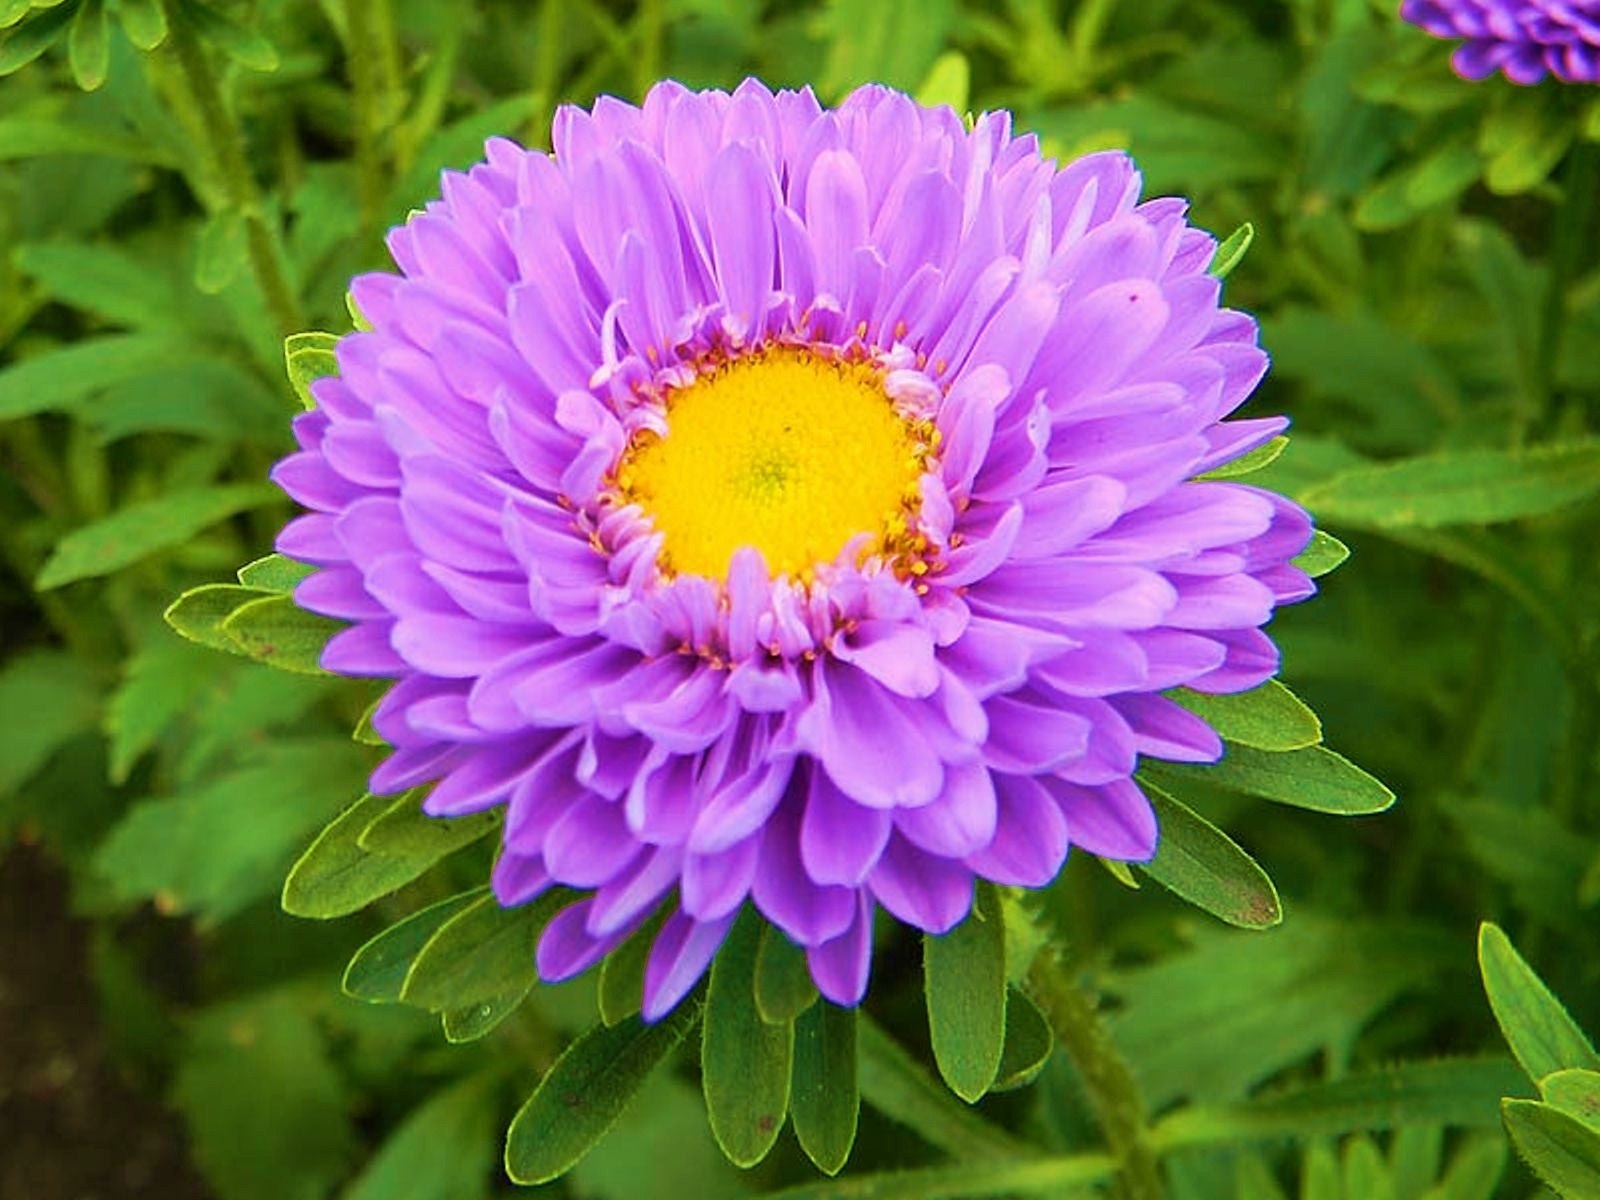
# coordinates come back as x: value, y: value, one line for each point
x: 787, y: 505
x: 1522, y: 38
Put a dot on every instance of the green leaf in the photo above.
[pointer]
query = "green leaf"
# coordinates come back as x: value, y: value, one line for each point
x: 585, y: 1091
x: 377, y: 972
x: 1415, y: 1154
x: 442, y: 1147
x: 215, y: 848
x: 221, y: 252
x: 1460, y: 487
x: 103, y: 280
x: 274, y: 573
x: 825, y: 1105
x: 964, y: 979
x: 307, y: 357
x: 1474, y: 1171
x: 784, y: 988
x: 1538, y: 1029
x: 61, y: 698
x: 198, y: 614
x: 404, y: 830
x: 1562, y: 1151
x: 12, y: 11
x: 1197, y: 861
x: 1314, y: 778
x: 62, y: 379
x: 143, y: 22
x: 482, y: 952
x: 1269, y: 717
x: 479, y: 1020
x: 89, y: 46
x: 1575, y: 1092
x: 1324, y: 554
x: 336, y: 876
x: 897, y: 1086
x: 1456, y: 1093
x: 164, y: 680
x: 881, y: 40
x: 1247, y: 464
x: 621, y: 988
x: 27, y: 43
x: 278, y: 633
x: 744, y: 1060
x: 245, y: 46
x: 1231, y: 253
x: 1029, y: 1042
x: 1524, y: 137
x: 948, y: 83
x: 1365, y: 1173
x: 267, y: 1112
x: 145, y: 527
x: 33, y: 137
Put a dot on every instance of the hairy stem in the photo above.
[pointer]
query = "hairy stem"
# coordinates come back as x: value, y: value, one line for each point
x: 1107, y: 1079
x: 371, y: 59
x: 225, y: 144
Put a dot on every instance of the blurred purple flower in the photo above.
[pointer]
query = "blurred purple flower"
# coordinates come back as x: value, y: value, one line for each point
x: 1522, y: 38
x: 777, y: 504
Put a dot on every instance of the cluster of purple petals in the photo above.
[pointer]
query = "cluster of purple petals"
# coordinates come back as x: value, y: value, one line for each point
x: 1525, y: 39
x: 816, y: 750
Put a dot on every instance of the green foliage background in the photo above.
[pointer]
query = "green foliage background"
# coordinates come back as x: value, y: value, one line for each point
x: 182, y: 185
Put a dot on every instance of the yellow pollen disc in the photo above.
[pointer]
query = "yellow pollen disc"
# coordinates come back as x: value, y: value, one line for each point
x: 784, y: 450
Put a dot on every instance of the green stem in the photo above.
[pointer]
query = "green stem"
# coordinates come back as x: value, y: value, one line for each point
x: 225, y: 142
x: 370, y: 57
x: 1575, y: 223
x: 1087, y: 26
x: 1107, y: 1078
x: 650, y: 25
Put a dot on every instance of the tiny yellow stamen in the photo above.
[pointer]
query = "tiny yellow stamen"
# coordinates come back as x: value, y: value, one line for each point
x: 787, y: 450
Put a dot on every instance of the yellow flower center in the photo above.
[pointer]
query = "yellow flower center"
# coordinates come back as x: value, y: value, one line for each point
x: 785, y: 450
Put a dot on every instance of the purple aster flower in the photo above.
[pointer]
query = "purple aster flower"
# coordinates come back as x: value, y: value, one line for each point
x: 1522, y: 38
x: 766, y: 503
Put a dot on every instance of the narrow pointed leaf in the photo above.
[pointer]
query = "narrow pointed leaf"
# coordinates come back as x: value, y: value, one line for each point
x: 1324, y: 554
x: 1313, y: 778
x: 1269, y: 717
x: 826, y: 1103
x: 274, y: 573
x: 481, y: 953
x: 336, y: 877
x: 146, y: 527
x: 744, y: 1061
x: 585, y: 1091
x: 1538, y: 1029
x: 964, y: 978
x: 474, y: 1021
x: 1563, y: 1151
x: 278, y: 633
x: 244, y: 45
x: 1470, y: 486
x: 1197, y: 861
x: 403, y: 830
x: 1458, y: 1093
x: 1248, y: 464
x: 198, y: 614
x: 377, y: 971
